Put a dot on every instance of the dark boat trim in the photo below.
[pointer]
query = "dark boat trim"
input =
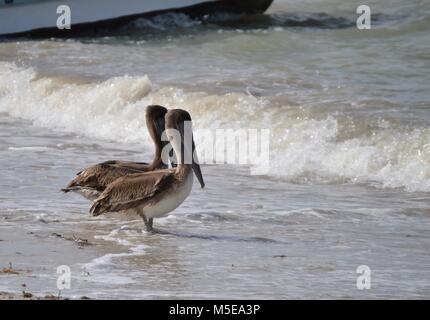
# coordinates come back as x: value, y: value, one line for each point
x: 195, y: 11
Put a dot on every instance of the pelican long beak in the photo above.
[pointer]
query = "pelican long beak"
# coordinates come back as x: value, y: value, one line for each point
x: 196, y: 167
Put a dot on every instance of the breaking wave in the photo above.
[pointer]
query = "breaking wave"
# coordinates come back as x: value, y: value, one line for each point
x: 328, y: 148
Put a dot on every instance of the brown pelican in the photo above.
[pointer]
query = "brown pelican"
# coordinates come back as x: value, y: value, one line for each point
x: 153, y: 194
x: 91, y: 181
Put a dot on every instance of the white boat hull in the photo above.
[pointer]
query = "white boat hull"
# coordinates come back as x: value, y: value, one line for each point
x: 19, y: 18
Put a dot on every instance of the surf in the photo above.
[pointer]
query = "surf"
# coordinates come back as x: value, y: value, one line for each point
x: 306, y: 146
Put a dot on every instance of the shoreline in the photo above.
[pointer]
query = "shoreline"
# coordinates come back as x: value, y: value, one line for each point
x: 29, y: 296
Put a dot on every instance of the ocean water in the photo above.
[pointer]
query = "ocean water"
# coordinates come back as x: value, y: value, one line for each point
x: 349, y: 177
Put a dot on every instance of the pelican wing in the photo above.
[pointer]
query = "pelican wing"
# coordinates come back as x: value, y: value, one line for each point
x: 132, y: 191
x: 97, y: 177
x: 131, y: 165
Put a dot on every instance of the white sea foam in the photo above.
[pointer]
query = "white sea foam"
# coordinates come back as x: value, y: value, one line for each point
x: 302, y: 148
x: 31, y: 149
x: 166, y: 21
x: 106, y: 110
x: 111, y: 237
x: 92, y: 269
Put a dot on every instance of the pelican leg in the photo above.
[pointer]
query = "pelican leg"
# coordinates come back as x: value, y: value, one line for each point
x: 148, y: 223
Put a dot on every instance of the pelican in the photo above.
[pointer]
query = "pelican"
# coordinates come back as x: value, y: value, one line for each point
x: 92, y: 181
x: 153, y: 194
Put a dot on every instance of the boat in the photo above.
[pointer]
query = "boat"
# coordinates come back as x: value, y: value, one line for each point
x: 28, y: 17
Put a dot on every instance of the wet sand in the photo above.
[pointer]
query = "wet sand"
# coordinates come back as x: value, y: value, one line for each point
x: 29, y: 296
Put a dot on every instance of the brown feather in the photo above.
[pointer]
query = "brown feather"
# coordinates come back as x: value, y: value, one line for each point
x: 133, y: 191
x: 97, y: 177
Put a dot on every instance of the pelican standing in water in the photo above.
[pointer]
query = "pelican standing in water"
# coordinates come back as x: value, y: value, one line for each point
x: 153, y: 194
x: 92, y: 181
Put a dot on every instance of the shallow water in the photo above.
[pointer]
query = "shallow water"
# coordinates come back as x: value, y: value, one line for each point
x: 349, y: 179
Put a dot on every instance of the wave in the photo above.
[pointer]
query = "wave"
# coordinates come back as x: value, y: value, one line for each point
x: 164, y: 22
x: 87, y: 109
x: 171, y: 21
x: 322, y: 147
x: 177, y: 24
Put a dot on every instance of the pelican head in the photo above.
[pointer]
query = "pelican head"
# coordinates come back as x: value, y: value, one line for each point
x: 155, y: 120
x: 183, y: 142
x: 156, y: 125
